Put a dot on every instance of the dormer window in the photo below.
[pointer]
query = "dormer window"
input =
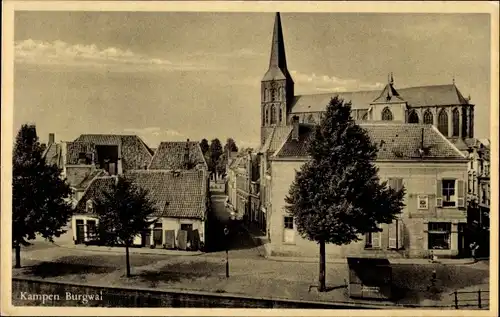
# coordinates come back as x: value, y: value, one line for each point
x: 89, y: 207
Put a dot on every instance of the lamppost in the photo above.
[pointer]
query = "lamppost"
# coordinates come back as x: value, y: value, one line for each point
x: 226, y: 232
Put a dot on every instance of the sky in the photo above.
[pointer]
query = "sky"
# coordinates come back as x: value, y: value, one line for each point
x: 169, y: 76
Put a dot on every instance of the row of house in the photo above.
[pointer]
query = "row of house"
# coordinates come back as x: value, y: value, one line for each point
x: 425, y: 140
x: 175, y: 176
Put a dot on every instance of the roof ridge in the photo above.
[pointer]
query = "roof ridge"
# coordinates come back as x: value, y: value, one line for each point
x: 436, y: 130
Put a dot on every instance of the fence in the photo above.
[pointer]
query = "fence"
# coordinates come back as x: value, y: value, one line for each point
x: 479, y: 299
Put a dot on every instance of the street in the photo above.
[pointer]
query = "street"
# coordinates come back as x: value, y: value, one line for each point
x: 238, y: 241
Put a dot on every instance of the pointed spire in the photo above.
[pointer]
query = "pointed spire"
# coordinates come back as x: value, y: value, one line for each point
x: 278, y: 57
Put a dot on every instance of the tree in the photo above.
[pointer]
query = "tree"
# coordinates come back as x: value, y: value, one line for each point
x: 123, y: 214
x: 230, y: 146
x: 40, y: 197
x: 215, y: 153
x: 337, y: 196
x: 204, y: 146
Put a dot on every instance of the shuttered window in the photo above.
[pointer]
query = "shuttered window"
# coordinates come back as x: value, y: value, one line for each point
x: 373, y: 240
x: 396, y: 234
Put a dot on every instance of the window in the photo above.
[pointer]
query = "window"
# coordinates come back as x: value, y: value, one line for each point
x: 396, y: 234
x: 266, y: 94
x: 266, y: 118
x: 428, y: 117
x: 443, y: 122
x: 439, y: 235
x: 281, y: 114
x: 372, y: 240
x: 288, y: 230
x: 91, y: 229
x: 413, y: 117
x: 386, y: 114
x: 89, y: 207
x: 273, y: 114
x: 456, y: 121
x: 448, y: 192
x: 187, y: 226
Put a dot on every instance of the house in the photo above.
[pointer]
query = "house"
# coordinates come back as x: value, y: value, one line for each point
x: 479, y: 193
x: 181, y: 199
x: 416, y: 156
x: 94, y: 155
x: 178, y: 156
x: 54, y: 153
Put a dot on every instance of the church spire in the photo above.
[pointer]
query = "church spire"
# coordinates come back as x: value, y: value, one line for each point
x: 277, y: 61
x: 278, y: 56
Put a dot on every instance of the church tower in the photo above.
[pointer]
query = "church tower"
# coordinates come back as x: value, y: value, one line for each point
x: 277, y: 85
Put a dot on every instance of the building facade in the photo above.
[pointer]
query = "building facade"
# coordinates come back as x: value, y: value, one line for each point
x: 434, y: 218
x: 437, y: 116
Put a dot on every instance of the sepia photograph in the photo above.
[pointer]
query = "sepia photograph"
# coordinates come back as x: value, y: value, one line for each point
x: 264, y: 155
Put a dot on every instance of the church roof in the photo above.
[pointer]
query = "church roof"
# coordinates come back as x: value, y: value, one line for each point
x: 434, y: 95
x: 318, y: 102
x: 395, y: 141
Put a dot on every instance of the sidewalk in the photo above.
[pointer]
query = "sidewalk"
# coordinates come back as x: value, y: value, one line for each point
x: 121, y: 250
x: 391, y: 260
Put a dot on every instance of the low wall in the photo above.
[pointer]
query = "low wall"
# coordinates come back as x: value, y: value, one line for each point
x: 30, y: 292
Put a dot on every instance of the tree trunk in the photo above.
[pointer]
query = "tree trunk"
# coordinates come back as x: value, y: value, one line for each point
x: 127, y: 257
x: 18, y: 256
x: 322, y: 267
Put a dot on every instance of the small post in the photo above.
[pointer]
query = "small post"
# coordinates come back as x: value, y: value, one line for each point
x: 226, y: 232
x: 456, y: 300
x: 479, y: 298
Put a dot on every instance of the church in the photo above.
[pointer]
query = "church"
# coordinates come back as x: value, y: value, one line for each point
x: 422, y: 134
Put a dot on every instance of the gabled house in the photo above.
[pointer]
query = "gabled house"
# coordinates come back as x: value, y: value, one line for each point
x: 181, y: 200
x: 93, y: 155
x: 178, y: 156
x: 416, y: 156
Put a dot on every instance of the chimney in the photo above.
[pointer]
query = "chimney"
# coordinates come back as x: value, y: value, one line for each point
x: 186, y: 155
x: 52, y: 138
x: 295, y: 129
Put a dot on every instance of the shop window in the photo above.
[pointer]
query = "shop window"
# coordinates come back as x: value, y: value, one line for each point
x: 439, y: 235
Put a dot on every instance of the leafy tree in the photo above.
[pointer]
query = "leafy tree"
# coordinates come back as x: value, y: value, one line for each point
x: 215, y: 153
x: 230, y: 146
x: 204, y: 146
x: 40, y: 197
x: 337, y: 196
x: 123, y: 213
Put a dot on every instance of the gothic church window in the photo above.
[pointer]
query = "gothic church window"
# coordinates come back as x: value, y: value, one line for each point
x: 266, y: 94
x: 413, y: 117
x: 266, y: 116
x: 456, y: 122
x: 282, y: 94
x: 443, y: 122
x: 386, y: 114
x: 428, y: 117
x: 281, y: 115
x: 273, y: 114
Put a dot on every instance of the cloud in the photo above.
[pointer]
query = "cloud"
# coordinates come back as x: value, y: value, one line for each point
x: 61, y: 53
x: 240, y: 53
x: 155, y: 135
x: 331, y: 83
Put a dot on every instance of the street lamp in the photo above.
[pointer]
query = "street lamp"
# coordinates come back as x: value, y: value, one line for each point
x: 226, y: 232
